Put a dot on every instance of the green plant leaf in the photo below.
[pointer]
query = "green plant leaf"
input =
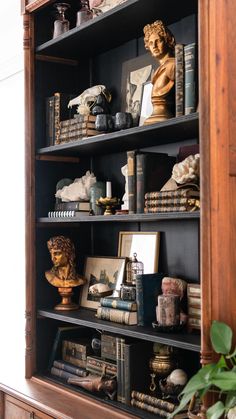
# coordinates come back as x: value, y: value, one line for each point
x: 230, y: 400
x: 225, y: 381
x: 231, y: 355
x: 216, y: 411
x: 221, y: 337
x: 184, y: 401
x: 201, y: 380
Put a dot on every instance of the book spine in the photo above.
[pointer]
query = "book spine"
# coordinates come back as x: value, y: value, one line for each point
x: 180, y: 193
x: 76, y: 127
x: 122, y: 358
x: 62, y: 374
x: 149, y: 408
x: 190, y: 78
x: 140, y: 182
x: 120, y: 304
x: 114, y: 315
x: 139, y: 299
x: 70, y: 368
x: 57, y: 118
x: 127, y: 376
x: 118, y: 363
x: 179, y: 79
x: 149, y: 203
x: 154, y: 210
x: 49, y: 121
x: 72, y: 206
x: 131, y: 166
x: 153, y: 401
x: 99, y: 366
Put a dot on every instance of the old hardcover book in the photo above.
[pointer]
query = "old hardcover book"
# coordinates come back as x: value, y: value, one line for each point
x: 192, y: 191
x: 77, y: 134
x: 135, y: 357
x: 61, y: 111
x: 192, y: 205
x: 84, y: 118
x: 153, y: 401
x: 76, y: 351
x: 76, y: 126
x: 152, y: 172
x: 115, y: 302
x: 179, y: 79
x: 66, y: 366
x: 108, y: 347
x: 50, y: 126
x: 73, y: 206
x: 117, y: 316
x: 120, y: 369
x: 190, y: 75
x: 150, y: 203
x: 62, y: 373
x: 96, y: 365
x: 148, y: 287
x: 131, y: 166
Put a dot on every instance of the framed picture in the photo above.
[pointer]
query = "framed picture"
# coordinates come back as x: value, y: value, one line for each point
x: 108, y: 272
x: 145, y: 244
x: 146, y: 104
x: 135, y: 73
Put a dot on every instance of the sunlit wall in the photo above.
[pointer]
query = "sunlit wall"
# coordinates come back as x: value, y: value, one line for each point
x: 12, y: 271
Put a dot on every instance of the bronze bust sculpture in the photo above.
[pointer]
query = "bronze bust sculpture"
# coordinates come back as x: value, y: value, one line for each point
x: 63, y: 274
x: 161, y: 43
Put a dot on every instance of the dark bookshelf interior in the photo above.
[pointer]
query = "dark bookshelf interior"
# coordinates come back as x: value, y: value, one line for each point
x: 94, y: 54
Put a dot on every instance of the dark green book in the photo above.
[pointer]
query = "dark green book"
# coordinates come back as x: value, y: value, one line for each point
x: 148, y: 287
x: 190, y: 75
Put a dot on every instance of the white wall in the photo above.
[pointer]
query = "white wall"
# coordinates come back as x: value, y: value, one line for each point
x: 12, y: 281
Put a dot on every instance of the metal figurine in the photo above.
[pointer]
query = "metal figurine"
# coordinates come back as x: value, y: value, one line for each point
x: 63, y: 274
x: 161, y: 43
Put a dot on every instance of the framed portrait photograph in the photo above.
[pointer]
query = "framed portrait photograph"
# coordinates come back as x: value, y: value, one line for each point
x: 104, y: 276
x: 135, y: 73
x: 145, y: 244
x: 146, y: 103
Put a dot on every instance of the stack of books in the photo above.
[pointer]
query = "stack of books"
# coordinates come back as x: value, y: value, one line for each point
x: 70, y: 209
x: 194, y: 306
x: 180, y: 200
x: 152, y: 404
x: 116, y: 310
x: 76, y: 128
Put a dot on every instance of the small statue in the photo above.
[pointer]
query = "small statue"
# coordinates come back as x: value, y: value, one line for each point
x: 94, y: 383
x: 159, y: 40
x: 63, y: 274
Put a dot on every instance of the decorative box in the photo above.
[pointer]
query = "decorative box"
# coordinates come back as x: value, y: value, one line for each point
x: 127, y: 293
x: 76, y: 351
x: 108, y: 347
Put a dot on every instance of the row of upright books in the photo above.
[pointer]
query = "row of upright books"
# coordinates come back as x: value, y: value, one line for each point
x: 186, y: 79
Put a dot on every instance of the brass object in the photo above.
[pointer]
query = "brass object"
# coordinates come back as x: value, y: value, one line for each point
x: 159, y: 40
x: 109, y: 204
x: 161, y: 365
x: 63, y: 274
x: 133, y: 268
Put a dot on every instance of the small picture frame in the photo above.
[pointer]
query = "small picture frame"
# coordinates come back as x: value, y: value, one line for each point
x: 145, y: 244
x: 146, y: 103
x: 108, y: 271
x: 135, y: 73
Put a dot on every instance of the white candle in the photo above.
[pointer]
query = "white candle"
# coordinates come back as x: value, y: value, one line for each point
x: 108, y: 190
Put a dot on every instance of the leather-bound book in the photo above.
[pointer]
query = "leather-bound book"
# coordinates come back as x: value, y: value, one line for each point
x: 179, y: 79
x: 190, y: 75
x: 148, y: 287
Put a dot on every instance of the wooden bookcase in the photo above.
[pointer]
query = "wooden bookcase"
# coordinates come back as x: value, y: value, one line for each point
x: 192, y: 245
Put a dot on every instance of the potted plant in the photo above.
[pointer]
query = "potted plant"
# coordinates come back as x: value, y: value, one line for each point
x: 219, y: 377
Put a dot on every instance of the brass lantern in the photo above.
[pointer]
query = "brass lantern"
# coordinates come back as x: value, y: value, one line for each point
x: 133, y: 268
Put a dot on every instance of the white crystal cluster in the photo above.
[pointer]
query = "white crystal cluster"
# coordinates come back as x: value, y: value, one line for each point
x: 78, y: 190
x: 187, y: 170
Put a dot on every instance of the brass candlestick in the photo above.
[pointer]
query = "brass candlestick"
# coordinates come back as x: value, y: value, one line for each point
x: 109, y: 204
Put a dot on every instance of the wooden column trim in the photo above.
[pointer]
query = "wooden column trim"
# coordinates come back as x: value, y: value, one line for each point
x: 28, y: 23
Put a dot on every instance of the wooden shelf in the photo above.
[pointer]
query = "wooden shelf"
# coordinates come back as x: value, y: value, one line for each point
x: 119, y: 218
x: 100, y: 33
x: 170, y: 131
x: 87, y: 318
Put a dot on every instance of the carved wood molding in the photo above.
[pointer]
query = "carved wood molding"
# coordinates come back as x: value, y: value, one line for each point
x: 26, y: 33
x: 28, y: 333
x: 37, y: 4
